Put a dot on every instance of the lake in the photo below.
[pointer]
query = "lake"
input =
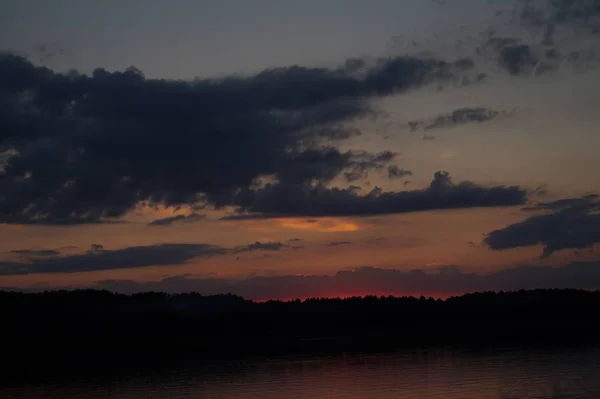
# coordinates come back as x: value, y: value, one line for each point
x: 421, y: 374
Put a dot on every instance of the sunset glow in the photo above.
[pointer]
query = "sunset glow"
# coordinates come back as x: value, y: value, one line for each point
x: 453, y: 146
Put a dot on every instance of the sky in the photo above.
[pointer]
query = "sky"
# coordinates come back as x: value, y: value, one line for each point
x: 302, y: 148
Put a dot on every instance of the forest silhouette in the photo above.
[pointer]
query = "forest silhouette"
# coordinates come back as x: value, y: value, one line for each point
x: 100, y: 329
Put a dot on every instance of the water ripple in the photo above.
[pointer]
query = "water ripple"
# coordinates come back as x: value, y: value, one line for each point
x: 418, y: 375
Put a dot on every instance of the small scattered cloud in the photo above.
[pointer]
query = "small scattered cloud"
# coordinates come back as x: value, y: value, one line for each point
x: 518, y: 59
x: 339, y: 243
x: 574, y: 16
x: 260, y: 246
x: 395, y: 172
x: 460, y: 116
x: 540, y: 191
x: 95, y: 248
x: 191, y: 218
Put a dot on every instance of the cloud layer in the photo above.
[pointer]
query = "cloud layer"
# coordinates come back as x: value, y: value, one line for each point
x: 97, y: 258
x: 370, y: 280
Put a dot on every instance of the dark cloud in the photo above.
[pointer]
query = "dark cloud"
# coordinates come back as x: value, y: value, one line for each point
x: 317, y: 200
x: 363, y: 163
x: 260, y: 246
x: 370, y: 280
x: 95, y: 248
x: 116, y: 138
x: 46, y: 52
x: 98, y: 258
x: 191, y: 218
x: 460, y: 116
x: 573, y: 223
x: 550, y: 15
x: 35, y: 252
x: 548, y: 23
x: 394, y: 172
x: 338, y: 243
x: 540, y: 191
x: 519, y: 58
x: 358, y: 164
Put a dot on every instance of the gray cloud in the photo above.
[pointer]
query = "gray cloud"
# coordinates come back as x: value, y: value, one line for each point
x: 260, y: 246
x: 35, y: 252
x: 549, y: 25
x: 518, y: 59
x: 460, y: 116
x: 370, y: 280
x: 550, y: 15
x: 191, y: 218
x: 263, y: 256
x: 573, y: 223
x: 276, y: 200
x: 394, y: 172
x: 117, y: 138
x: 338, y: 243
x: 98, y: 258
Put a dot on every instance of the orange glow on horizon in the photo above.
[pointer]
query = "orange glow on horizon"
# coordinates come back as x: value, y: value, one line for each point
x: 326, y: 225
x: 12, y: 227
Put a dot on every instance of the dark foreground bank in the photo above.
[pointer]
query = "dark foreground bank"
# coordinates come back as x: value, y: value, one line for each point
x: 89, y: 331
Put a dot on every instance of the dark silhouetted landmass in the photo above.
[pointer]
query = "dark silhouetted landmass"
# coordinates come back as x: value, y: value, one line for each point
x: 102, y: 330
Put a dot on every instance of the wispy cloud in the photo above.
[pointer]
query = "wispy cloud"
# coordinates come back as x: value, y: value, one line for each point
x: 98, y: 258
x: 460, y: 116
x: 191, y: 218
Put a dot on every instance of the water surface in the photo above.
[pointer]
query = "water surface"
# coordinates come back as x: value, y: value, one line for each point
x: 426, y: 374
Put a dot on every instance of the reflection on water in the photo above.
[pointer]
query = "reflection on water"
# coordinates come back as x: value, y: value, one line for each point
x: 433, y: 374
